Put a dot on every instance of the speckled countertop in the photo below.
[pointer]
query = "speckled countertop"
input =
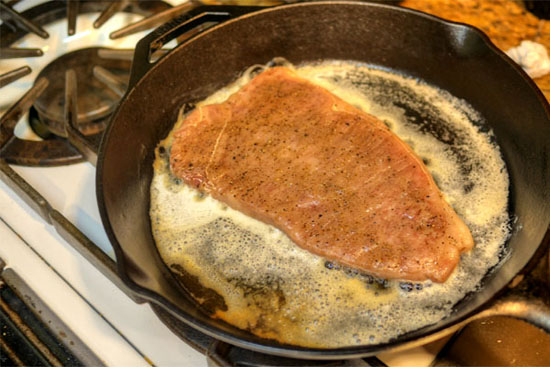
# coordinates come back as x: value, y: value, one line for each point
x: 504, y: 21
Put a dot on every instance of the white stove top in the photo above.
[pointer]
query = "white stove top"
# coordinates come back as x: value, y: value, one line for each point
x: 118, y: 331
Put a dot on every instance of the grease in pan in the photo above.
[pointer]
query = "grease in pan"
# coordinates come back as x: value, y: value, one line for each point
x: 277, y: 290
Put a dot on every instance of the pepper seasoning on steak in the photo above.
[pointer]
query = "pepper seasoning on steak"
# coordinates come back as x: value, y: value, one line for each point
x: 333, y: 178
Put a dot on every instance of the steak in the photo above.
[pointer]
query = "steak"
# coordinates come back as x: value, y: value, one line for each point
x: 333, y: 178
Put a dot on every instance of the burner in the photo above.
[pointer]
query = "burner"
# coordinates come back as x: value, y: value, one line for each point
x: 95, y: 101
x: 101, y: 78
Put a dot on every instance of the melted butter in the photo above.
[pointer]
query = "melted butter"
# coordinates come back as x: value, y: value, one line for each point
x: 277, y: 290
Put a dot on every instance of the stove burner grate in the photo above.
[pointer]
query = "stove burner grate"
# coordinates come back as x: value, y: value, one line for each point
x: 13, y: 75
x: 95, y: 102
x: 101, y: 76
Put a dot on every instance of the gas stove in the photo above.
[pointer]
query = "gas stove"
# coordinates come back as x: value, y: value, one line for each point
x: 67, y: 63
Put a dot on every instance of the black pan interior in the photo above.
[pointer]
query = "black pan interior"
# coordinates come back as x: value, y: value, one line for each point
x: 454, y: 57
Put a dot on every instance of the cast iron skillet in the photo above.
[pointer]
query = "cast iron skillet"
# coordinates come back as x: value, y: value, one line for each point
x: 454, y: 57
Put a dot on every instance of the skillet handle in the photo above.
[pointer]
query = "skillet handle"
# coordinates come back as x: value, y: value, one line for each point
x: 527, y: 297
x: 183, y: 28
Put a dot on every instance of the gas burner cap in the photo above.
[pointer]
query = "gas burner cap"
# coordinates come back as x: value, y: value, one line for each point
x: 96, y: 100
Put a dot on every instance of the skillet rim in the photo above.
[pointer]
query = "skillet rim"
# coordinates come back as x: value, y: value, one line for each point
x: 271, y: 347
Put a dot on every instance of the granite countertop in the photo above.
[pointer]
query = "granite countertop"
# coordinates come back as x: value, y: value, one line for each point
x: 506, y: 23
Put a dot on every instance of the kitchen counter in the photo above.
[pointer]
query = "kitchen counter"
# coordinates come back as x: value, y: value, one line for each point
x: 506, y: 23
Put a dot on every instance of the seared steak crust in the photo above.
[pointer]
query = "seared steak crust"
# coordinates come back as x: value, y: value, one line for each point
x: 333, y: 178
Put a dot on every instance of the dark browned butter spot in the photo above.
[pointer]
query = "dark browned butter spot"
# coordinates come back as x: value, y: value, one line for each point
x: 209, y: 300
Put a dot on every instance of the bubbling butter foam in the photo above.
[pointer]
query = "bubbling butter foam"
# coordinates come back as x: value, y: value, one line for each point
x: 277, y: 290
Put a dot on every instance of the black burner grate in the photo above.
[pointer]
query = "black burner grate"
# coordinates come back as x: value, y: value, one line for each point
x: 101, y: 81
